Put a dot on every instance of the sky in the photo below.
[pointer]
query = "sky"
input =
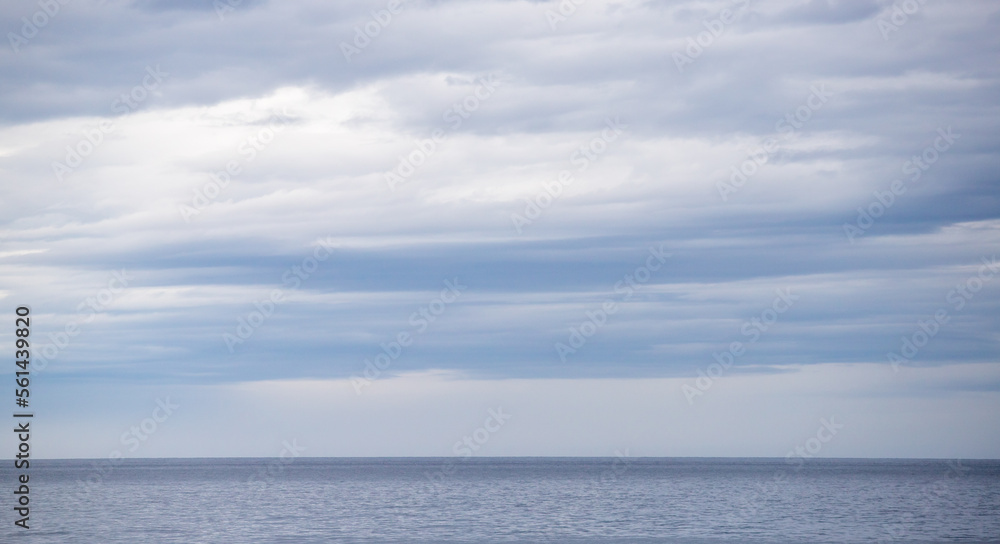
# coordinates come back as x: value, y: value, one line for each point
x: 643, y: 228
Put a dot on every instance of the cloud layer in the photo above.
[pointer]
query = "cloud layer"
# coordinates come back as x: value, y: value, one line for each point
x: 544, y: 156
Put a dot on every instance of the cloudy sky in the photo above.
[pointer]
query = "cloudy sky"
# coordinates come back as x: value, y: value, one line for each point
x: 660, y: 227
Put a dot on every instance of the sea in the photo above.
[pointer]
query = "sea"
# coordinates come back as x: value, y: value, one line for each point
x: 476, y: 500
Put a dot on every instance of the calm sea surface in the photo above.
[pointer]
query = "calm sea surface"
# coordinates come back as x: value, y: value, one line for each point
x: 637, y: 500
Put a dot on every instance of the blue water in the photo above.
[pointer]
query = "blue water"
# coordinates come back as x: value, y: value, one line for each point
x: 642, y: 500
